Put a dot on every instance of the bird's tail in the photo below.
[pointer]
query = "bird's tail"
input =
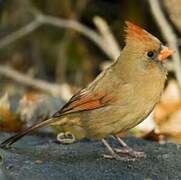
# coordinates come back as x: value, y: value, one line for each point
x: 7, y: 143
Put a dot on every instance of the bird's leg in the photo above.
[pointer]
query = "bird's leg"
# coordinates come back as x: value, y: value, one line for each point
x: 128, y: 150
x: 113, y: 154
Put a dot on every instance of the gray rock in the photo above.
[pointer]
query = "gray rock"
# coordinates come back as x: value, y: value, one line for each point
x: 38, y: 157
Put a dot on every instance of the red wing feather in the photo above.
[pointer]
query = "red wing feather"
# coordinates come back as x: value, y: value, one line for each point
x: 84, y: 100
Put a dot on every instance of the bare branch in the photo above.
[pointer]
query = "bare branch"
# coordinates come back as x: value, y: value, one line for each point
x: 62, y: 90
x: 107, y: 36
x: 19, y: 33
x: 41, y: 19
x: 75, y: 25
x: 169, y: 36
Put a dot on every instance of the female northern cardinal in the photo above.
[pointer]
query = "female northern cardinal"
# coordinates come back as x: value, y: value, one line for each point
x: 121, y: 97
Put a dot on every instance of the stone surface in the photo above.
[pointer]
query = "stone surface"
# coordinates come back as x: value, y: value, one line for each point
x: 38, y: 157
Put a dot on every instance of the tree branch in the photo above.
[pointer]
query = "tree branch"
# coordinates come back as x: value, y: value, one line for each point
x: 19, y: 33
x: 41, y: 19
x: 62, y: 90
x: 108, y: 37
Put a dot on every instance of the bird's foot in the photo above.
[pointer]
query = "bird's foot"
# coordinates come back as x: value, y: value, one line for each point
x: 114, y: 155
x: 118, y: 157
x: 130, y: 152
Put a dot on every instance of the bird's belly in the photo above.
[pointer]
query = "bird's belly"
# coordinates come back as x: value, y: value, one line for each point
x: 111, y: 120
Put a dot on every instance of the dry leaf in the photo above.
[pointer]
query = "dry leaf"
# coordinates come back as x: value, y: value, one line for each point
x: 9, y: 120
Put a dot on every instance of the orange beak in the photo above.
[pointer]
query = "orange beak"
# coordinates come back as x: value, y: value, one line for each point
x: 164, y: 53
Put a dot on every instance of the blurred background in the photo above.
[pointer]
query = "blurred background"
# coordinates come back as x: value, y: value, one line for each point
x: 51, y: 49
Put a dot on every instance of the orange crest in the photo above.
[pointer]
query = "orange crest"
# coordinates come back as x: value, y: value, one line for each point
x: 137, y: 33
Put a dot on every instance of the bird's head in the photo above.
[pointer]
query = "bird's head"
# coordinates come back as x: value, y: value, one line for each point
x: 145, y: 46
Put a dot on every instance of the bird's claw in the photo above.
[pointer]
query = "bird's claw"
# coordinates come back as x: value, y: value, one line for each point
x: 117, y: 157
x: 131, y: 152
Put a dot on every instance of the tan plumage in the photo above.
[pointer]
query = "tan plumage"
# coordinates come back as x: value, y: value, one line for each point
x: 121, y: 96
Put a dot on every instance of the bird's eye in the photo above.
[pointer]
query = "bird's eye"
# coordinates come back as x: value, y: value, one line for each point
x: 151, y: 54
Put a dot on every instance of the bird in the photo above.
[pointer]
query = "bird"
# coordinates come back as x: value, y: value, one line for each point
x: 120, y: 97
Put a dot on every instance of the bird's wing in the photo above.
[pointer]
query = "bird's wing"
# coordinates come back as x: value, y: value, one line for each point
x: 85, y: 100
